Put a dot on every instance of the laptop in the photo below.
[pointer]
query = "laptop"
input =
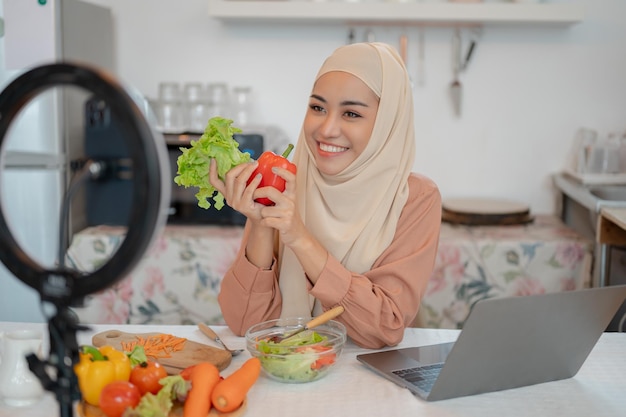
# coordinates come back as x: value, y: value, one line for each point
x: 505, y: 343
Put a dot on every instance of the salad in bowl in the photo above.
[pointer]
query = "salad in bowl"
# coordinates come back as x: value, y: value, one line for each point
x: 304, y: 357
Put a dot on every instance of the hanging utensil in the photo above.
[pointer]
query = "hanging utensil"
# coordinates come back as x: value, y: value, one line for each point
x: 475, y: 34
x: 404, y: 46
x: 456, y: 91
x: 316, y: 321
x: 369, y: 36
x: 404, y: 41
x: 468, y: 55
x: 351, y: 35
x: 420, y: 57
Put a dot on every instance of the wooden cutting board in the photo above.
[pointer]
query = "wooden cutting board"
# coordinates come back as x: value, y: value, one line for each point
x: 191, y: 353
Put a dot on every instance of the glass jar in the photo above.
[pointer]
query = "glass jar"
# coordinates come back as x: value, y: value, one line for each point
x: 242, y: 106
x: 218, y: 100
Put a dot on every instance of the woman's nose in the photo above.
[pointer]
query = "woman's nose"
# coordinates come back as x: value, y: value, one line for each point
x: 330, y: 127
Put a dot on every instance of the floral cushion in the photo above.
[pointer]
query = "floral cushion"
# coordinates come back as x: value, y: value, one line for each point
x: 178, y: 280
x: 480, y: 262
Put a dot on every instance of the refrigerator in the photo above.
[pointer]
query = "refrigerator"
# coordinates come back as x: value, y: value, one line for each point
x: 48, y: 134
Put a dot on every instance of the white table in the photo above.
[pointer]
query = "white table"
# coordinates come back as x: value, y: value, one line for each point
x: 351, y: 390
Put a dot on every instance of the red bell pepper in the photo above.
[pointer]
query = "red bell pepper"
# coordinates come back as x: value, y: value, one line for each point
x: 267, y: 161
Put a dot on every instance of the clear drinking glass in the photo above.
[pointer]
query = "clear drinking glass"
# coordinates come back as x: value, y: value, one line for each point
x: 169, y: 108
x: 242, y: 105
x: 196, y: 107
x: 218, y: 100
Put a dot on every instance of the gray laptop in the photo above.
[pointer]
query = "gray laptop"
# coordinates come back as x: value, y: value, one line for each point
x: 505, y: 343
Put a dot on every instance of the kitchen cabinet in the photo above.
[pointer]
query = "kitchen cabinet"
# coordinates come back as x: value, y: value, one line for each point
x: 398, y: 12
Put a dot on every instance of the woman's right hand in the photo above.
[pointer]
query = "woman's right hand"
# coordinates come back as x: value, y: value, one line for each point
x: 236, y: 190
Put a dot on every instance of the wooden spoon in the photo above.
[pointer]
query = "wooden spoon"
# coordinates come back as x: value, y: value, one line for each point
x: 316, y: 321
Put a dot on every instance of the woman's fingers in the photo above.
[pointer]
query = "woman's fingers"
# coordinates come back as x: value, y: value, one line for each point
x: 213, y: 177
x: 236, y: 180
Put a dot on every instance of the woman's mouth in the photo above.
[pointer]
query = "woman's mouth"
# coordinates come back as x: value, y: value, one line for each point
x: 331, y: 148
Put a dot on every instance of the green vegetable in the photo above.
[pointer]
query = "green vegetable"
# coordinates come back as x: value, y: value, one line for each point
x: 137, y: 356
x: 159, y: 405
x: 308, y: 362
x: 193, y: 165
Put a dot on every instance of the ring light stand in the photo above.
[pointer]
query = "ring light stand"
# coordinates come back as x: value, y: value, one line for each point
x: 62, y: 286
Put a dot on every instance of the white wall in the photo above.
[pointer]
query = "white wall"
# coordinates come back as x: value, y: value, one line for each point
x: 526, y: 91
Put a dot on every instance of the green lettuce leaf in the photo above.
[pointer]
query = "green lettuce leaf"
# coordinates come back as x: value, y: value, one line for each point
x: 159, y: 405
x: 289, y: 365
x: 193, y: 164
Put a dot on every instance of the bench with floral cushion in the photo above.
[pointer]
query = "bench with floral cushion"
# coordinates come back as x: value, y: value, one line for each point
x: 178, y: 280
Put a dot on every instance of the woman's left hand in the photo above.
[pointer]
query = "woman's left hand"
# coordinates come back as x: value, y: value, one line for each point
x: 283, y: 216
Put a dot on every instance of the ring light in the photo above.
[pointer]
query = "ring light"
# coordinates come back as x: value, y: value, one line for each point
x: 150, y: 199
x: 150, y: 195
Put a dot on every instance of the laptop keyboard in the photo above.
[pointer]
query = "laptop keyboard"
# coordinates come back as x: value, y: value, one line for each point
x: 423, y: 377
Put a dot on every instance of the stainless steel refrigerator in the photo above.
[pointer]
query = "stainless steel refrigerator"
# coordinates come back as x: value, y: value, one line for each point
x: 47, y: 135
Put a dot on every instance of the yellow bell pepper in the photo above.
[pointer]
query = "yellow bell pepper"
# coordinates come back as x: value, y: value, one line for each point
x: 99, y: 367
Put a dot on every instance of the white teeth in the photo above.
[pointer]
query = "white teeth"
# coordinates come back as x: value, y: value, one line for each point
x: 331, y: 148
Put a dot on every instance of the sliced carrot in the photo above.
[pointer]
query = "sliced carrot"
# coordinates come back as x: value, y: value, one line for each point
x: 204, y: 377
x: 157, y: 346
x: 228, y: 394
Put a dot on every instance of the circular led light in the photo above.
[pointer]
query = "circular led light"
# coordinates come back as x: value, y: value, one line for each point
x: 150, y: 172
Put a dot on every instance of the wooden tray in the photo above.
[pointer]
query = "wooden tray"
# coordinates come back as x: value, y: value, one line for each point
x: 191, y: 354
x: 485, y: 212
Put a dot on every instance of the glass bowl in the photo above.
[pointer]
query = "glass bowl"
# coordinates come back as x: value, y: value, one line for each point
x: 306, y: 357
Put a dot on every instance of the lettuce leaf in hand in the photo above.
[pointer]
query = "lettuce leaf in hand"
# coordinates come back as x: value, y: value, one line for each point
x: 193, y: 164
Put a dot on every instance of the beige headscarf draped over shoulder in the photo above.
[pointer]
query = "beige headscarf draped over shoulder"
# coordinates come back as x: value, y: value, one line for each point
x: 354, y: 213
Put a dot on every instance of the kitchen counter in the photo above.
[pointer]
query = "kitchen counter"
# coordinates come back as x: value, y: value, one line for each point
x: 611, y: 231
x: 612, y: 226
x: 351, y: 390
x: 178, y: 280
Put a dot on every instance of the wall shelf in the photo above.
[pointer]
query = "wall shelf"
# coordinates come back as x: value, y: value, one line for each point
x: 385, y: 12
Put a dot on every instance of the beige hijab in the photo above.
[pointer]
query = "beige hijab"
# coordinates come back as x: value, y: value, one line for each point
x: 354, y: 213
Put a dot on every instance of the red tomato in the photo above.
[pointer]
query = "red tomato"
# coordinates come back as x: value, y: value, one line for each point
x: 117, y: 396
x: 323, y: 361
x: 146, y: 376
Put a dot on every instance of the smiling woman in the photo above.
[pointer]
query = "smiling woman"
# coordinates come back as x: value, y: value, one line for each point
x: 354, y: 226
x: 339, y: 121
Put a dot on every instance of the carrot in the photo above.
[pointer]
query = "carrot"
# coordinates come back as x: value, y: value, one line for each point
x: 157, y: 346
x: 229, y: 393
x: 204, y: 377
x: 186, y: 373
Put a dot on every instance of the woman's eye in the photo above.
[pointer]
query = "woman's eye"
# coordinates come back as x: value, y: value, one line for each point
x: 352, y: 114
x: 316, y: 108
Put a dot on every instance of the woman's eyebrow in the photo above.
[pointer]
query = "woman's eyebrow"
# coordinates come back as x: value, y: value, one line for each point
x: 343, y: 103
x: 353, y: 103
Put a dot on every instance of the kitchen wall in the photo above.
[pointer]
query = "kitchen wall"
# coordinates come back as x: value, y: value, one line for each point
x: 526, y: 91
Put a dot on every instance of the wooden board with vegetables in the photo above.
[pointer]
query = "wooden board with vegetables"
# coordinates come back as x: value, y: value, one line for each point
x: 116, y: 383
x: 87, y: 410
x: 174, y: 353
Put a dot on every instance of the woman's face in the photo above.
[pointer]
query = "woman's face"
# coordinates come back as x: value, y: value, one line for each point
x: 339, y: 121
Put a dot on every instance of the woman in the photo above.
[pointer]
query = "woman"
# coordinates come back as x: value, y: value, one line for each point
x: 354, y: 227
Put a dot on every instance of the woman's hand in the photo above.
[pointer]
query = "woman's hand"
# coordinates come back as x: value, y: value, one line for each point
x: 283, y: 216
x: 237, y: 193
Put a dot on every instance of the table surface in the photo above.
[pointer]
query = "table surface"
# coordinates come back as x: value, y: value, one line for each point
x: 612, y: 226
x: 352, y: 390
x: 617, y: 215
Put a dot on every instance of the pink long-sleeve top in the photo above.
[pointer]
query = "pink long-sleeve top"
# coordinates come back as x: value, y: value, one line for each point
x: 378, y: 304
